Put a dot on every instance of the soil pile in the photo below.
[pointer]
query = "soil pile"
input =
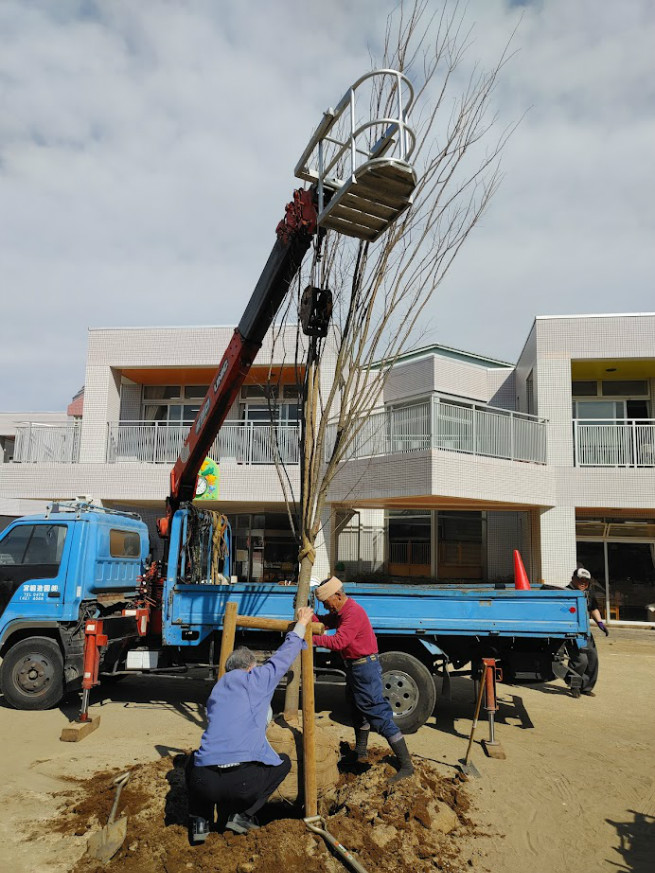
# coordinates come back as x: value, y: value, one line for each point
x: 417, y: 825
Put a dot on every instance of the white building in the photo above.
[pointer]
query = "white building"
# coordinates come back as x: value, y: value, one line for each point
x: 466, y: 459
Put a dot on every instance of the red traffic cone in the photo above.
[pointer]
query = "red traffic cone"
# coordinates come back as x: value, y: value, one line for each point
x: 521, y: 581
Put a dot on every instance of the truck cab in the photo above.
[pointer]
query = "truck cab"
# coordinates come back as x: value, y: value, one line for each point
x: 73, y: 562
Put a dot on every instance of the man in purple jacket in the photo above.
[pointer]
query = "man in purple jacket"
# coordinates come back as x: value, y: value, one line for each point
x: 235, y: 765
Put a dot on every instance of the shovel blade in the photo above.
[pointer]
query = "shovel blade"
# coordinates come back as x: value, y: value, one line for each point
x: 104, y: 844
x: 471, y: 770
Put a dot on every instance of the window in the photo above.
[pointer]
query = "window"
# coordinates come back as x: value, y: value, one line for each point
x: 124, y: 544
x: 625, y: 388
x: 460, y: 537
x: 410, y: 533
x: 606, y: 411
x: 173, y: 404
x: 261, y: 403
x: 611, y: 388
x: 584, y: 389
x: 529, y: 393
x: 6, y: 449
x: 34, y: 544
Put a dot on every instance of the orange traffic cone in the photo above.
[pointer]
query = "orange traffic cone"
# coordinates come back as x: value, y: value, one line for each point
x: 521, y: 581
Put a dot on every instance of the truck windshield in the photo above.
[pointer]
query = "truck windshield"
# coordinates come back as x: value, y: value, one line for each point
x: 33, y: 544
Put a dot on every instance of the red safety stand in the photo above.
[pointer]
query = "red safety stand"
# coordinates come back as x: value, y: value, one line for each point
x: 492, y: 747
x: 94, y: 639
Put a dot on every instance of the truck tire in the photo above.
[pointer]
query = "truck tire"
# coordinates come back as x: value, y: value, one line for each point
x: 409, y: 687
x: 32, y: 674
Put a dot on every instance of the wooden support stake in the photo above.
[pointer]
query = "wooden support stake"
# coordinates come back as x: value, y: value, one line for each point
x: 274, y: 624
x: 227, y: 637
x: 308, y: 725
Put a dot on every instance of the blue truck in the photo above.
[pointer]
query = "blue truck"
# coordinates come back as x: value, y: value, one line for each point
x: 78, y: 562
x: 79, y: 596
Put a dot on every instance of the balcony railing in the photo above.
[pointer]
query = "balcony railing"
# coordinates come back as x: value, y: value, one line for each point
x: 47, y: 443
x: 154, y: 442
x: 436, y: 424
x: 614, y: 444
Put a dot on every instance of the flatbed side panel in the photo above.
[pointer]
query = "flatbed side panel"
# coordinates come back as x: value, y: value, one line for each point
x: 507, y: 612
x: 393, y: 609
x: 202, y: 607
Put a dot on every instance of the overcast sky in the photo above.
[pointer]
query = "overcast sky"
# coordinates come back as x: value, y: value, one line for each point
x: 147, y: 151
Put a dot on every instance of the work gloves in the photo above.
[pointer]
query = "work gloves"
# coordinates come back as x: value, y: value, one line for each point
x: 601, y: 625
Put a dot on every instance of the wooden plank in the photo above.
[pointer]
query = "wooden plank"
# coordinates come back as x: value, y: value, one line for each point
x: 274, y: 624
x: 308, y: 727
x: 79, y: 729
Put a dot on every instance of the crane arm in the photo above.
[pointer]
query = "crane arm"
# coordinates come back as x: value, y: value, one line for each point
x: 294, y: 237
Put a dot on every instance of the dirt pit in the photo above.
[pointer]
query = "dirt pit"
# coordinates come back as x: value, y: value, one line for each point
x: 415, y: 826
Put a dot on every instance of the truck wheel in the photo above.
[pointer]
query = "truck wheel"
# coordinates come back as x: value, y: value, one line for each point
x: 409, y: 687
x: 32, y: 674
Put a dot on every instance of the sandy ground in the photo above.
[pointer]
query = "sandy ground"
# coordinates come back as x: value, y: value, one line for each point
x: 575, y: 793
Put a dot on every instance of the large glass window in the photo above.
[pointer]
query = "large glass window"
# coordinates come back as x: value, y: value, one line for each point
x: 634, y: 402
x: 599, y: 410
x: 460, y: 545
x: 410, y: 535
x: 262, y: 404
x: 33, y: 544
x: 173, y: 404
x: 620, y: 555
x: 265, y: 548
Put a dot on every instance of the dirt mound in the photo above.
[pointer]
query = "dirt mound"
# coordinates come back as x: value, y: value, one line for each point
x: 415, y: 826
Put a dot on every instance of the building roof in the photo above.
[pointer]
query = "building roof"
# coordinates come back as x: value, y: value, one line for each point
x: 448, y: 352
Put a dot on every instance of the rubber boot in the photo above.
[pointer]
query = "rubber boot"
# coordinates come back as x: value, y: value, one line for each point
x: 198, y: 830
x: 359, y: 753
x: 401, y: 751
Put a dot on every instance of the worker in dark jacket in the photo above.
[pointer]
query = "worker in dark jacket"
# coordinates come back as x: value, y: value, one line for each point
x: 584, y: 661
x: 358, y: 647
x: 235, y: 766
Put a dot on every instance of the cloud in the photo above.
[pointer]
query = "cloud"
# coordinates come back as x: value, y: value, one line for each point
x: 147, y: 152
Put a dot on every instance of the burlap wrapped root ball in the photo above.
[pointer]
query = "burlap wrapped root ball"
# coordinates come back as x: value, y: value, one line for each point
x: 287, y: 739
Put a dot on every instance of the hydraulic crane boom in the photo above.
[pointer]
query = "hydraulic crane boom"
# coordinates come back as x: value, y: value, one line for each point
x: 357, y: 189
x: 294, y: 237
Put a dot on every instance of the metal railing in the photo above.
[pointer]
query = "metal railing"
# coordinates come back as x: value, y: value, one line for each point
x: 154, y: 442
x: 437, y: 424
x: 47, y: 443
x: 614, y: 444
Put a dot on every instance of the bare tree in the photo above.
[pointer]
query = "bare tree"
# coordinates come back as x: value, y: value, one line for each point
x: 381, y: 289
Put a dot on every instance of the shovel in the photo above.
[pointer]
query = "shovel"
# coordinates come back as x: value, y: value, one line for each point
x: 313, y: 822
x: 104, y: 844
x: 469, y: 769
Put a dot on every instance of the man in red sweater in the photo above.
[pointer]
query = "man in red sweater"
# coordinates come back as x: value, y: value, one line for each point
x: 357, y: 645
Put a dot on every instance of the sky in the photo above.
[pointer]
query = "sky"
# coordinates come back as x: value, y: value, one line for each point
x: 147, y: 152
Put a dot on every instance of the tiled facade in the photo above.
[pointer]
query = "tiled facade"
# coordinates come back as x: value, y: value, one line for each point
x: 455, y: 433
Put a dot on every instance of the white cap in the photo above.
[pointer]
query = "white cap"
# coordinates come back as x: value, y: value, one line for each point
x: 327, y: 589
x: 582, y: 573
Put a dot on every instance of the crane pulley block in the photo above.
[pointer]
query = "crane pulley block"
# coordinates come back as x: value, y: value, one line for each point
x: 315, y: 310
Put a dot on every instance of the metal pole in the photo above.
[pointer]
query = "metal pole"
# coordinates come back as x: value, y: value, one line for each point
x: 353, y: 156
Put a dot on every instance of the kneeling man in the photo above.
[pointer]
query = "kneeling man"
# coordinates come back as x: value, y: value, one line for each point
x: 235, y: 766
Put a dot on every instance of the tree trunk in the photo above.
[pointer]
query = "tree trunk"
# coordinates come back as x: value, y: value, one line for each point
x: 292, y: 694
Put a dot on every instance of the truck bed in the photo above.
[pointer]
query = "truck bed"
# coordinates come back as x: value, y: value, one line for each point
x: 395, y: 609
